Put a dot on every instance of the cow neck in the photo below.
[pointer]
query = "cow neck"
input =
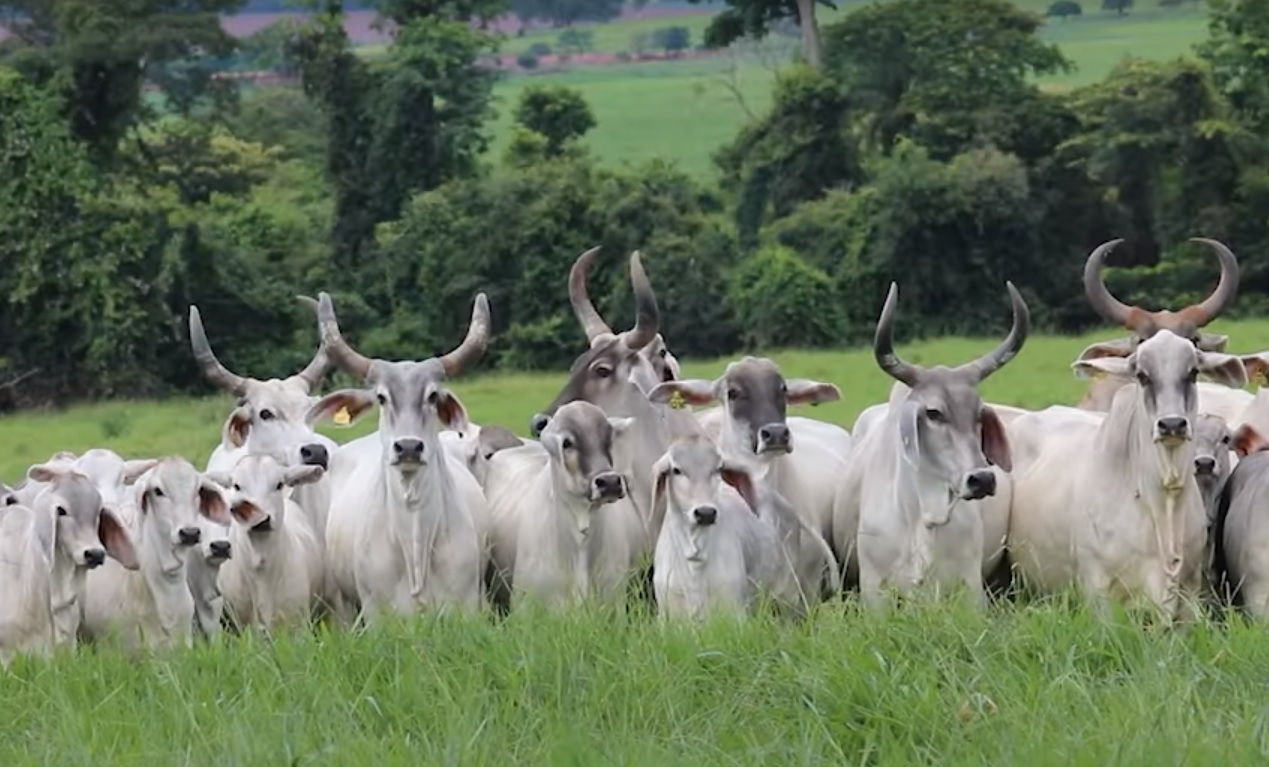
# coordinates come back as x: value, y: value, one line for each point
x: 925, y: 501
x: 166, y: 586
x: 423, y: 506
x: 565, y: 530
x: 636, y: 451
x: 66, y: 590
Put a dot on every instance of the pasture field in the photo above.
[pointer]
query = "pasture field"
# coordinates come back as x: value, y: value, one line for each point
x: 1035, y: 683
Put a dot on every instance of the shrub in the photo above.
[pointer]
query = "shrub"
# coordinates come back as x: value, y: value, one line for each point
x: 783, y: 301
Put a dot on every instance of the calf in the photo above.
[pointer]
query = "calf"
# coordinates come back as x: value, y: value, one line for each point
x: 714, y: 552
x: 275, y: 577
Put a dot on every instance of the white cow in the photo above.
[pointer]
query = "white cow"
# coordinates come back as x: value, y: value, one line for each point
x: 1115, y: 507
x: 26, y: 567
x: 922, y: 480
x: 542, y: 500
x: 275, y: 578
x: 152, y: 606
x: 476, y: 445
x: 715, y: 552
x: 408, y: 521
x: 202, y: 573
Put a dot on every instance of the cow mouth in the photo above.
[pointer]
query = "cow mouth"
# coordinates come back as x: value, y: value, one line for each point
x: 263, y: 526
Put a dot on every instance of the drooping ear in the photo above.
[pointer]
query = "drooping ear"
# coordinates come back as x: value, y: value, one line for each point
x: 803, y: 391
x: 237, y: 427
x: 693, y: 391
x: 46, y: 472
x: 134, y: 469
x: 449, y: 408
x: 1209, y: 342
x: 1120, y: 347
x: 1117, y: 367
x: 1257, y: 366
x: 1224, y: 369
x: 742, y: 481
x: 247, y: 513
x: 620, y: 425
x: 303, y: 475
x: 995, y: 440
x: 343, y: 407
x: 211, y: 501
x: 1247, y: 440
x: 909, y: 434
x: 660, y: 476
x: 114, y: 538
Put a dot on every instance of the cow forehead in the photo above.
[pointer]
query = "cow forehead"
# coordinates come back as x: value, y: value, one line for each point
x: 284, y: 396
x: 176, y: 476
x: 695, y: 457
x: 78, y: 492
x: 1210, y: 429
x: 755, y: 375
x: 612, y: 350
x: 403, y: 378
x: 101, y: 465
x: 1165, y: 353
x: 588, y: 426
x: 949, y: 389
x: 261, y: 467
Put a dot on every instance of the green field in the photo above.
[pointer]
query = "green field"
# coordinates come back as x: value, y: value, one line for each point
x: 1043, y: 683
x: 683, y: 110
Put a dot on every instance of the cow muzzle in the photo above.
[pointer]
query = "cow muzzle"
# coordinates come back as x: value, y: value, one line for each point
x: 407, y: 452
x: 219, y: 551
x: 1172, y: 429
x: 607, y: 487
x: 979, y: 485
x: 704, y: 516
x: 189, y: 536
x: 315, y: 455
x: 774, y: 438
x: 1205, y: 466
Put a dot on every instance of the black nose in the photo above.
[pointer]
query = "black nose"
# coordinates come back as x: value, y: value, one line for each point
x: 537, y: 423
x: 94, y: 557
x: 608, y: 485
x: 1205, y: 464
x: 773, y: 436
x: 980, y: 484
x: 1173, y: 426
x: 314, y: 455
x: 408, y: 449
x: 189, y: 535
x: 705, y: 515
x: 220, y: 549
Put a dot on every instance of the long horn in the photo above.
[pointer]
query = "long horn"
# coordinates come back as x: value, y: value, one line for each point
x: 649, y: 318
x: 1226, y: 289
x: 212, y: 369
x: 995, y: 359
x: 312, y: 374
x: 343, y: 355
x: 473, y: 346
x: 579, y: 297
x: 883, y: 343
x: 1103, y: 302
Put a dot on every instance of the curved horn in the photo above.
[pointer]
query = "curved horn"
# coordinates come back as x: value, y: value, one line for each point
x: 473, y: 346
x: 578, y: 296
x: 995, y: 359
x: 1109, y: 307
x: 649, y: 318
x: 1226, y: 289
x: 317, y: 367
x: 883, y: 344
x: 212, y: 369
x: 343, y: 355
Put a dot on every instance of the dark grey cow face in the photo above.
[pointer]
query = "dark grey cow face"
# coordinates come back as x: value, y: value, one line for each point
x: 1165, y: 369
x: 755, y: 396
x: 579, y: 440
x: 413, y: 400
x: 85, y: 532
x: 1212, y: 445
x: 689, y: 479
x: 944, y: 428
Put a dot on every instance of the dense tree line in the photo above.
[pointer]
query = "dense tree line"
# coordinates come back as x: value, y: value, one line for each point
x: 133, y: 183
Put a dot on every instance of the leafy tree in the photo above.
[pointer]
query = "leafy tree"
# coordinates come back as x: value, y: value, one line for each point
x: 1119, y: 6
x: 1238, y: 38
x: 563, y: 13
x: 272, y: 48
x: 785, y: 301
x: 557, y: 113
x: 743, y: 18
x: 672, y: 39
x: 1064, y: 9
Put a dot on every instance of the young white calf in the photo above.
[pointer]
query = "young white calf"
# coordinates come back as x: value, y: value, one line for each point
x: 714, y: 552
x: 275, y: 577
x: 152, y: 607
x: 202, y: 573
x: 26, y: 567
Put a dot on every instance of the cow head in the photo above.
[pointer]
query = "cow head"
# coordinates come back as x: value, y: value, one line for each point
x: 84, y: 531
x: 945, y: 429
x: 688, y: 480
x: 172, y: 498
x: 754, y: 396
x: 412, y: 397
x: 579, y: 440
x: 613, y: 374
x: 110, y: 473
x: 257, y: 485
x: 269, y: 417
x: 1165, y: 369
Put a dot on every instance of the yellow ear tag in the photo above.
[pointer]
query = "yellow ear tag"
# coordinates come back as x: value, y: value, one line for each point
x: 1097, y: 375
x: 676, y: 400
x: 342, y: 417
x: 1260, y: 378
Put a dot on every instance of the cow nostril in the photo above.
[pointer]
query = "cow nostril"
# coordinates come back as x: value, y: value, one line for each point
x: 408, y: 448
x: 538, y: 423
x: 981, y: 484
x: 190, y: 535
x: 705, y: 515
x: 608, y: 484
x: 94, y: 557
x: 1173, y: 426
x: 1205, y: 465
x: 314, y: 455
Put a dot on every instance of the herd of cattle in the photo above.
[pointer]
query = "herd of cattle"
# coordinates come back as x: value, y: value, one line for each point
x: 1147, y: 491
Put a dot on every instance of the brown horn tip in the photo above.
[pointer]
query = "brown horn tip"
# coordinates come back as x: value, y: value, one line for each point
x: 473, y: 346
x: 343, y: 355
x: 1221, y: 298
x: 212, y: 368
x: 579, y: 297
x: 648, y: 315
x: 1109, y: 307
x: 883, y: 343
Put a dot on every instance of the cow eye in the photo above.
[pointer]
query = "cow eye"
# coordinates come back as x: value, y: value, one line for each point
x: 266, y: 415
x: 237, y: 488
x: 433, y: 398
x: 1143, y: 379
x: 567, y: 444
x: 61, y: 511
x: 735, y: 394
x: 1193, y: 376
x: 280, y: 486
x: 158, y: 492
x: 934, y: 415
x: 11, y: 501
x: 676, y: 471
x: 383, y: 398
x: 603, y: 371
x: 1225, y: 440
x: 663, y: 353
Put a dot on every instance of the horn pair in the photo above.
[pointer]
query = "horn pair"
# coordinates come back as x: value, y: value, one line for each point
x: 1135, y: 318
x: 648, y: 317
x: 221, y: 376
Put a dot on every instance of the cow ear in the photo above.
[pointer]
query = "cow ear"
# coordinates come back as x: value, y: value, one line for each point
x: 1118, y: 367
x: 450, y: 409
x: 114, y: 538
x: 909, y: 434
x: 660, y: 476
x: 134, y: 469
x: 692, y: 391
x: 1247, y: 440
x: 303, y: 475
x: 620, y: 425
x: 343, y: 407
x: 1120, y: 347
x: 995, y: 440
x: 1224, y: 369
x: 211, y: 501
x: 806, y: 392
x: 493, y: 438
x: 1257, y: 366
x: 46, y: 472
x: 1210, y: 342
x: 742, y: 482
x: 237, y: 427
